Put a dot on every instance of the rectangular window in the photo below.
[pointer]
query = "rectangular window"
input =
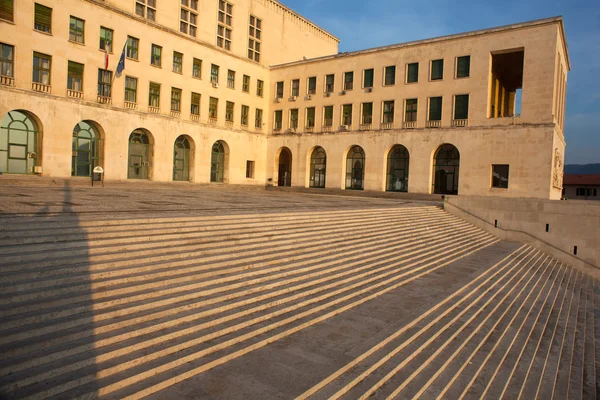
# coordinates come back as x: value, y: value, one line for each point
x: 461, y: 106
x: 410, y: 114
x: 368, y: 78
x: 214, y: 73
x: 7, y: 9
x: 213, y: 106
x: 294, y: 118
x: 580, y: 192
x: 41, y: 68
x: 106, y: 39
x: 279, y: 90
x: 348, y: 80
x: 435, y: 109
x: 388, y: 112
x: 259, y: 88
x: 231, y: 79
x: 197, y: 68
x: 250, y: 169
x: 229, y: 111
x: 278, y: 120
x: 195, y: 104
x: 175, y: 99
x: 156, y: 56
x: 7, y: 57
x: 246, y: 84
x: 76, y: 29
x: 146, y: 8
x: 133, y: 45
x: 412, y: 73
x: 225, y: 24
x: 75, y: 76
x: 245, y: 115
x: 500, y: 176
x: 43, y: 18
x: 188, y: 19
x: 347, y: 114
x: 463, y: 67
x: 328, y: 116
x: 254, y: 38
x: 104, y: 82
x: 437, y: 70
x: 177, y: 62
x: 367, y: 113
x: 131, y: 89
x: 154, y: 95
x: 312, y: 85
x: 390, y: 76
x: 296, y: 87
x: 258, y: 119
x: 310, y: 117
x: 329, y: 83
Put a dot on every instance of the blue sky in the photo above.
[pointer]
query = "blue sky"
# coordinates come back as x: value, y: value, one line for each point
x: 364, y: 24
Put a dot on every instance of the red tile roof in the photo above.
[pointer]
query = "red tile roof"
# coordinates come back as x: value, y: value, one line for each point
x: 589, y: 179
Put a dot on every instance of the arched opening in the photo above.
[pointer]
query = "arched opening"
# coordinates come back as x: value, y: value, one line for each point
x: 86, y: 148
x: 446, y: 165
x: 20, y: 143
x: 182, y: 158
x: 140, y: 155
x: 355, y: 168
x: 397, y: 169
x: 218, y: 162
x: 284, y: 172
x: 318, y: 164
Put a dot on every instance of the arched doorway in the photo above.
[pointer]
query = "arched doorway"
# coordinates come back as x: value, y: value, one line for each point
x: 397, y: 169
x: 446, y: 165
x: 318, y: 163
x: 85, y: 149
x: 182, y: 158
x: 355, y: 168
x: 218, y: 162
x: 20, y: 143
x: 140, y: 155
x: 284, y: 172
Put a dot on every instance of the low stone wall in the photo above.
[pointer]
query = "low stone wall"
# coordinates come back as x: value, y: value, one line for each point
x: 555, y: 227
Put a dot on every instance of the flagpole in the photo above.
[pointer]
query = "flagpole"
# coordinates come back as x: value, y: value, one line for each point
x: 115, y: 73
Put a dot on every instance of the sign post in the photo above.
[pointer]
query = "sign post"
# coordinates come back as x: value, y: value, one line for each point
x: 98, y: 175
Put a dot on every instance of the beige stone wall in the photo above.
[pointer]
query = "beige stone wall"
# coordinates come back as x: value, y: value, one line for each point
x: 570, y: 223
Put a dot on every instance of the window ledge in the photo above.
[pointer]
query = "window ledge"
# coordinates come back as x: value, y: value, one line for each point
x: 462, y: 77
x: 42, y: 32
x: 110, y: 52
x: 7, y: 21
x: 411, y: 83
x: 132, y: 59
x: 77, y: 43
x: 176, y: 72
x: 156, y: 66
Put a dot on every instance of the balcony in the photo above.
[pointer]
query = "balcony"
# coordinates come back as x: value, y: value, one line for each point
x: 74, y: 94
x: 409, y: 124
x: 40, y: 87
x: 130, y: 104
x: 7, y: 80
x: 365, y: 127
x: 195, y: 117
x: 104, y: 100
x: 229, y: 124
x: 212, y: 120
x: 154, y: 110
x: 309, y: 129
x: 460, y: 123
x: 387, y: 125
x: 327, y: 128
x: 433, y: 124
x: 175, y: 113
x: 258, y: 128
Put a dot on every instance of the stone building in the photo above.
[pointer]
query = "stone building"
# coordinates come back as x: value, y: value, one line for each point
x: 249, y: 92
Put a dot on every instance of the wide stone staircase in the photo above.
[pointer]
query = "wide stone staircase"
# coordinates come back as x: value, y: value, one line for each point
x: 126, y: 306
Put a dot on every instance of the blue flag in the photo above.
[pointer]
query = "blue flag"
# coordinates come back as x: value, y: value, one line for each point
x: 121, y: 65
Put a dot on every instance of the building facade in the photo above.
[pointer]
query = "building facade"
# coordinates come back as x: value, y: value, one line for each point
x: 581, y: 187
x: 249, y: 92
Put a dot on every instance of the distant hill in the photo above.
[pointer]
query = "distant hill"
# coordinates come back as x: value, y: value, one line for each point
x: 582, y: 169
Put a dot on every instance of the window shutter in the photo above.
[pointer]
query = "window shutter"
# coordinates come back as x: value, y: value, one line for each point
x: 75, y: 68
x: 7, y: 10
x: 43, y: 15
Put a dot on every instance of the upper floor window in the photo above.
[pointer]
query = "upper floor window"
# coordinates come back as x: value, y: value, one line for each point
x: 43, y: 18
x: 388, y: 112
x: 348, y: 80
x: 106, y: 39
x: 329, y: 82
x: 197, y: 68
x: 328, y: 116
x: 258, y: 118
x: 213, y: 106
x: 461, y: 106
x: 278, y: 120
x: 225, y: 24
x: 368, y: 78
x: 131, y: 89
x: 193, y: 4
x: 500, y: 176
x: 231, y: 79
x: 214, y: 73
x: 296, y: 87
x: 435, y: 109
x: 437, y: 70
x: 410, y: 111
x: 229, y: 111
x: 133, y: 45
x: 310, y: 117
x: 244, y: 115
x: 195, y: 104
x: 41, y: 68
x: 7, y: 10
x: 104, y: 83
x: 75, y: 76
x: 246, y: 84
x: 177, y: 62
x: 279, y: 90
x: 312, y: 85
x: 76, y: 29
x: 188, y: 22
x: 156, y: 56
x: 176, y: 99
x: 390, y: 76
x: 154, y: 95
x: 146, y: 8
x: 259, y: 87
x: 463, y: 67
x: 412, y: 73
x: 7, y: 56
x: 255, y: 37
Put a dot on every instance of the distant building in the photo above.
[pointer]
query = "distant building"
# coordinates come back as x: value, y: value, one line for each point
x: 250, y: 92
x: 581, y: 187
